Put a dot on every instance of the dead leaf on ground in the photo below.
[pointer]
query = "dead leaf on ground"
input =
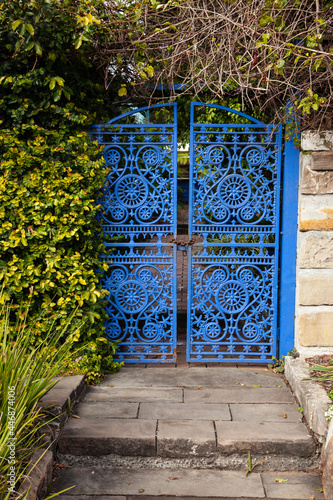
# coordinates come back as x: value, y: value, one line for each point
x: 141, y: 490
x: 173, y: 478
x: 279, y: 480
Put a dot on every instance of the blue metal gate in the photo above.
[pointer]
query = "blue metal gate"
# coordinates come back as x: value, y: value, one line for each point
x: 139, y: 218
x: 232, y: 244
x: 233, y: 270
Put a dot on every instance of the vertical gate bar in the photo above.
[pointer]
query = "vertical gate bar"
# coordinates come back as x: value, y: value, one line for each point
x: 175, y: 170
x: 191, y: 190
x: 277, y: 241
x: 189, y: 305
x: 189, y: 253
x: 288, y: 246
x: 174, y: 301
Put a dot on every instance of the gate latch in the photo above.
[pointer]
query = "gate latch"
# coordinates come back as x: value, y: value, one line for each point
x: 182, y: 244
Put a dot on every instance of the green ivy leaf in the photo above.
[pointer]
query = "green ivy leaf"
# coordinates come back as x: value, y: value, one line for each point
x: 122, y: 91
x: 30, y: 29
x: 16, y: 24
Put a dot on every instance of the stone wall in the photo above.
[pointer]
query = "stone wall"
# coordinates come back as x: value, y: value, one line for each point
x: 314, y: 282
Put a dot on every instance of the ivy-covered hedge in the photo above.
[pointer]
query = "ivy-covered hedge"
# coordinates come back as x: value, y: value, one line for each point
x: 51, y: 172
x: 49, y: 235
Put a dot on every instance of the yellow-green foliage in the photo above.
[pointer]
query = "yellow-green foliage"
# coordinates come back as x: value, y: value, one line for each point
x: 51, y: 173
x: 49, y: 235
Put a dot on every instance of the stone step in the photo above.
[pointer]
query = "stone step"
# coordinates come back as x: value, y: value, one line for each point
x: 103, y: 483
x: 168, y: 376
x: 186, y: 438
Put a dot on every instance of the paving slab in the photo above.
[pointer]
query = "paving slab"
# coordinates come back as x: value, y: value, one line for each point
x: 123, y: 437
x: 298, y: 486
x: 184, y: 438
x: 265, y: 412
x: 135, y: 395
x: 66, y: 392
x: 119, y: 409
x: 264, y: 437
x: 184, y: 411
x: 241, y: 395
x: 189, y: 482
x: 192, y: 377
x: 68, y: 496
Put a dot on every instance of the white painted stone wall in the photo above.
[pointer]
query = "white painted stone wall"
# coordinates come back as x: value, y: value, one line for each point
x: 314, y: 281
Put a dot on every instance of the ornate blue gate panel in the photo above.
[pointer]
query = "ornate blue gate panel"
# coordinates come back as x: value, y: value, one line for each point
x: 234, y: 210
x: 139, y: 218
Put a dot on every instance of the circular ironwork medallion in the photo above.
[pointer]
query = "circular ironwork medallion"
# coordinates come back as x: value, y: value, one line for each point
x: 216, y: 156
x: 112, y: 156
x: 250, y: 333
x: 235, y: 191
x: 131, y: 297
x: 150, y: 332
x: 254, y: 157
x: 232, y: 297
x: 131, y: 191
x: 213, y: 332
x: 150, y: 157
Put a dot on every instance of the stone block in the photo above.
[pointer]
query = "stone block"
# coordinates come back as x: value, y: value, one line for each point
x: 38, y: 476
x: 315, y: 182
x: 316, y: 250
x: 183, y: 438
x: 311, y: 396
x: 275, y: 394
x: 264, y: 437
x: 314, y: 326
x: 317, y: 141
x: 103, y: 410
x: 298, y: 485
x: 316, y: 213
x: 315, y: 287
x: 322, y: 160
x: 122, y: 437
x: 66, y: 392
x: 159, y: 483
x: 184, y: 411
x: 168, y: 377
x: 130, y: 394
x: 327, y: 465
x: 265, y: 413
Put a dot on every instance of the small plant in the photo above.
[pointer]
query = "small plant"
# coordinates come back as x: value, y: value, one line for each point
x: 329, y: 413
x: 326, y: 370
x: 250, y: 466
x: 277, y: 365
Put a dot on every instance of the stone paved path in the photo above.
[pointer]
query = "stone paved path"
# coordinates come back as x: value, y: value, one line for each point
x: 187, y: 432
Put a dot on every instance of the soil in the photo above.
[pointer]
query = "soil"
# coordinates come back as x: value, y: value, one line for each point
x: 324, y: 360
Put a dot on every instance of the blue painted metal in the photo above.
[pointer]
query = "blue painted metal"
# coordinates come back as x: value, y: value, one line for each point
x: 139, y: 219
x: 288, y: 247
x: 233, y: 268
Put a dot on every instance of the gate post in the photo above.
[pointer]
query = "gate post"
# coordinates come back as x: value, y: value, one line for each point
x: 289, y: 217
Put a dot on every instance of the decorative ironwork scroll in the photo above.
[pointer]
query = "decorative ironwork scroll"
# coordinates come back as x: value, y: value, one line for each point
x: 234, y: 208
x: 139, y: 218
